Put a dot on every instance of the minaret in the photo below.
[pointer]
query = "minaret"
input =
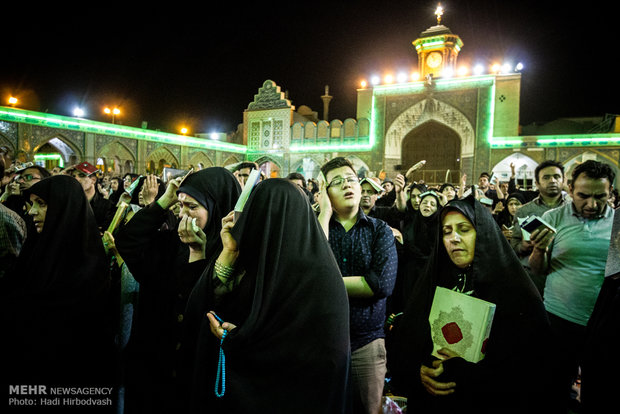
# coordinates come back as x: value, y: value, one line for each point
x: 326, y: 98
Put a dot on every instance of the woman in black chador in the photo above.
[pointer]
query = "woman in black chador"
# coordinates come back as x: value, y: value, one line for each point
x: 472, y: 256
x: 166, y: 255
x: 278, y: 289
x: 419, y: 233
x: 56, y: 312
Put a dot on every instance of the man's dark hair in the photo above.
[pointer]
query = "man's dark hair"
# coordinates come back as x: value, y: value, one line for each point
x: 545, y: 164
x: 596, y: 170
x: 43, y: 171
x: 336, y: 163
x: 297, y: 176
x: 246, y: 164
x: 484, y: 174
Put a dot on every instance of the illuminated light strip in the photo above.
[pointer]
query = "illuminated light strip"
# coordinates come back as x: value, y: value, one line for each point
x: 52, y: 157
x: 491, y: 112
x: 557, y: 140
x: 57, y: 121
x: 588, y: 139
x: 430, y: 45
x: 506, y: 143
x: 441, y: 84
x: 373, y: 136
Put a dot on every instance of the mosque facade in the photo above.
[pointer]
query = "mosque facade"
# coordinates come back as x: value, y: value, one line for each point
x: 459, y: 125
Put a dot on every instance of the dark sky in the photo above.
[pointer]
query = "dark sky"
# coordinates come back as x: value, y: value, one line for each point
x: 202, y: 64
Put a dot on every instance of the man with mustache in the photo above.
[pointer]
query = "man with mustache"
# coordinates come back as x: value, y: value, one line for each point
x: 549, y: 176
x: 573, y: 259
x: 370, y: 190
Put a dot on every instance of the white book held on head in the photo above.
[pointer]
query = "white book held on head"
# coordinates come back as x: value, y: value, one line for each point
x: 461, y: 323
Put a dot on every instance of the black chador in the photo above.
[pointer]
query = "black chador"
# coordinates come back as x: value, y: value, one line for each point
x: 290, y: 349
x: 519, y: 334
x: 56, y: 321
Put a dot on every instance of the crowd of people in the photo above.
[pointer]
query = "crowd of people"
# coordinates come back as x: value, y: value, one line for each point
x: 312, y: 298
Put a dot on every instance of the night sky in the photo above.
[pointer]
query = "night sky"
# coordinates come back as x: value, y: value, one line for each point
x: 200, y: 65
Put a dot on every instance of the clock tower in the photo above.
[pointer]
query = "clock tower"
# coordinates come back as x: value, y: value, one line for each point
x: 437, y: 49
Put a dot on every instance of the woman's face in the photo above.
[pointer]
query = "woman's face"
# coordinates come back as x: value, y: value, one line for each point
x: 513, y: 206
x: 449, y: 192
x: 38, y: 211
x: 114, y: 184
x: 141, y: 201
x: 459, y: 238
x: 428, y: 206
x: 127, y: 182
x: 192, y: 208
x: 414, y: 198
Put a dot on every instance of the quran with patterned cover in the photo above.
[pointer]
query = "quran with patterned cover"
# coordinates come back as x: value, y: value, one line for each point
x: 460, y: 323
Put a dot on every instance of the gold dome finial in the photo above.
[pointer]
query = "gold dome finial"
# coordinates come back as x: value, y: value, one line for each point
x: 439, y: 13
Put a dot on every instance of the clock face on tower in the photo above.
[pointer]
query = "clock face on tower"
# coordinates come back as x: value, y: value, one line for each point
x: 433, y: 59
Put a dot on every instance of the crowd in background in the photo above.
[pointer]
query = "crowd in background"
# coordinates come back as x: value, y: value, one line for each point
x: 313, y: 299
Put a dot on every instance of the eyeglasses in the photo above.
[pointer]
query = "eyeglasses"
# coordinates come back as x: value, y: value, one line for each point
x: 28, y: 177
x: 338, y: 182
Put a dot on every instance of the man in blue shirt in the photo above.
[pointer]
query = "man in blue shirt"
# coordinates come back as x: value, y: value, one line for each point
x: 366, y: 254
x: 573, y: 258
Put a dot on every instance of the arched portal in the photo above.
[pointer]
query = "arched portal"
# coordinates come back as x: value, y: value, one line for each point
x: 118, y: 158
x: 570, y: 164
x: 524, y: 169
x: 307, y: 166
x: 200, y: 160
x: 360, y: 167
x: 56, y: 152
x: 162, y: 158
x: 270, y: 168
x: 430, y: 110
x: 440, y: 146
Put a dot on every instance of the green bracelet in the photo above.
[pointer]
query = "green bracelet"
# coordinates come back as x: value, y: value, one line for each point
x: 223, y: 271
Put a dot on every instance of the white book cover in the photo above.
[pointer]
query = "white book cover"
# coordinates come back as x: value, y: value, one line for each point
x: 251, y: 182
x: 532, y: 223
x: 460, y: 323
x: 524, y: 234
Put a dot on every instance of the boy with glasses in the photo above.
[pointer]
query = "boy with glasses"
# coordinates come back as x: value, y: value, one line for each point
x: 366, y: 255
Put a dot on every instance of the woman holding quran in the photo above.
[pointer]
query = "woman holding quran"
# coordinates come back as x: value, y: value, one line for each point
x: 166, y: 255
x: 450, y: 362
x: 268, y: 320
